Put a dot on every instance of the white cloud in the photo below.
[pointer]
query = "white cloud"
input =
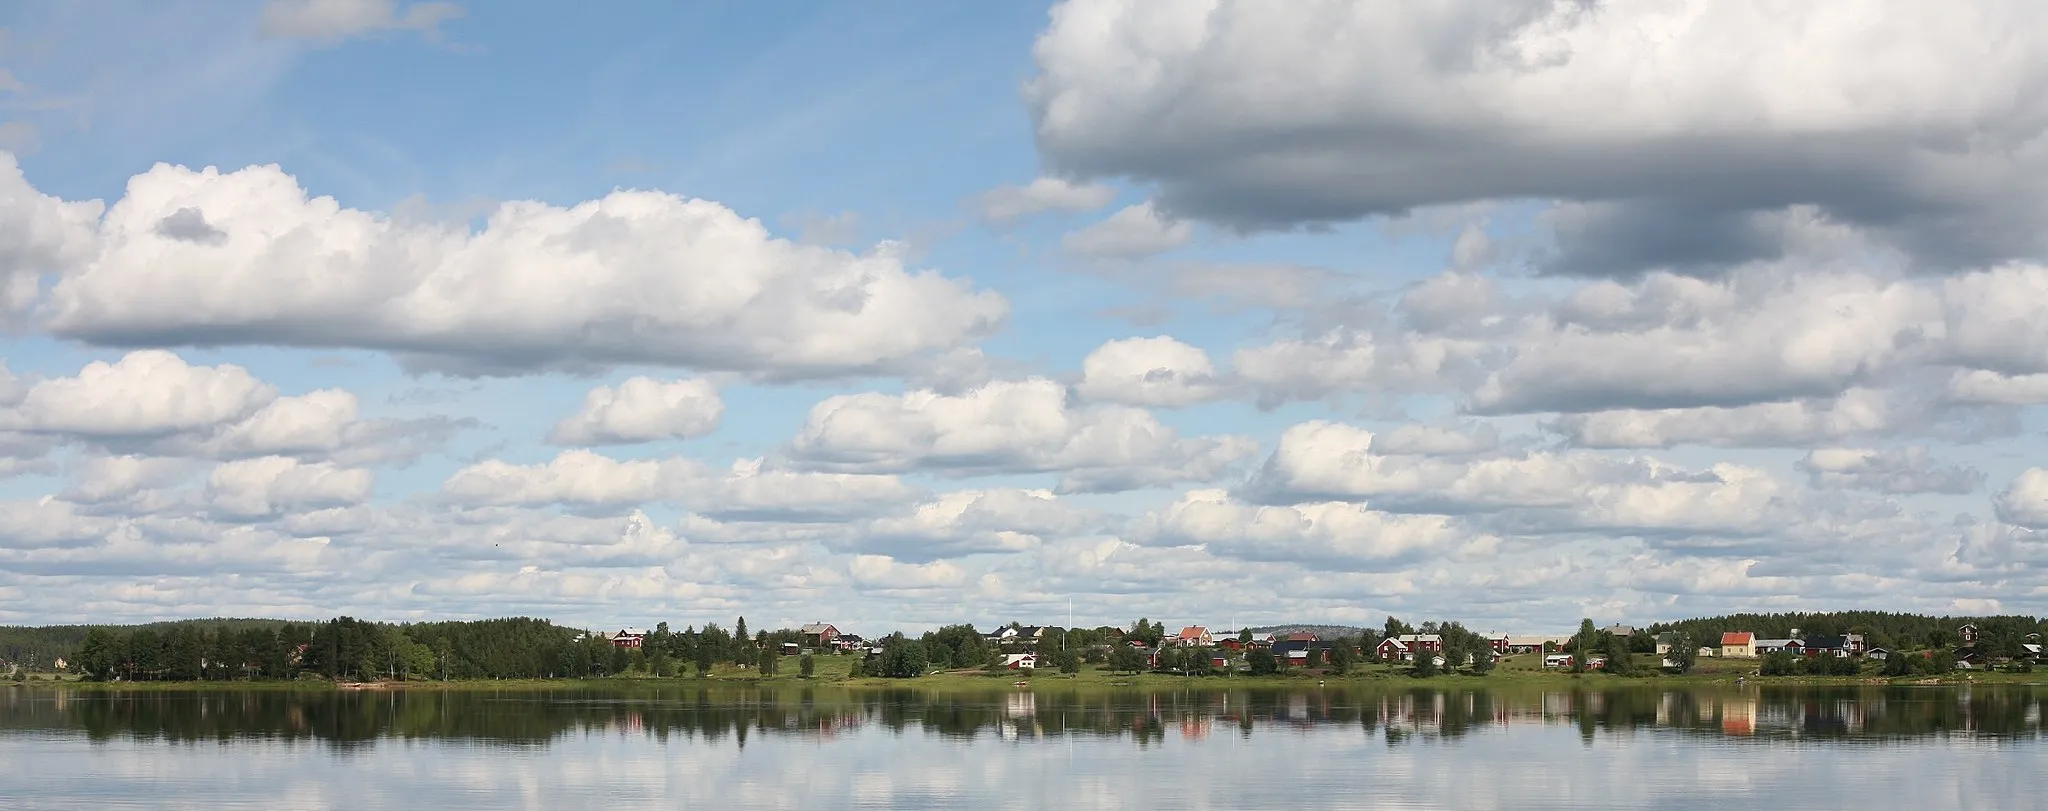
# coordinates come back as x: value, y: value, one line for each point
x: 155, y: 402
x: 39, y: 235
x: 147, y: 393
x: 339, y: 19
x: 1550, y: 492
x: 748, y: 490
x: 1022, y: 426
x: 1980, y: 386
x: 966, y: 522
x: 268, y: 485
x: 1325, y: 532
x: 1134, y: 232
x: 633, y: 277
x: 642, y: 409
x: 2025, y: 501
x: 46, y: 523
x: 1901, y: 471
x: 103, y: 479
x: 1346, y: 362
x: 1159, y: 372
x: 1005, y: 204
x: 885, y: 573
x: 1260, y: 116
x: 1857, y: 412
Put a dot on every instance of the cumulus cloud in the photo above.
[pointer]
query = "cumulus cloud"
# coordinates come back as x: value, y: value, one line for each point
x: 966, y: 522
x: 1134, y: 232
x: 268, y: 485
x: 1345, y: 361
x: 1253, y: 116
x: 340, y: 19
x: 642, y: 409
x: 882, y: 572
x: 1023, y: 426
x: 144, y: 394
x: 39, y: 235
x: 1545, y: 492
x: 1005, y: 204
x: 1327, y: 532
x: 153, y: 402
x: 1157, y: 371
x: 1895, y: 472
x: 633, y: 277
x: 748, y: 490
x: 1981, y: 386
x: 2024, y: 502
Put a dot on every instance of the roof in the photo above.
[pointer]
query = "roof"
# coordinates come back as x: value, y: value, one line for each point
x: 632, y: 632
x: 1827, y: 642
x: 1421, y: 638
x: 1301, y: 636
x: 1532, y: 640
x: 1779, y: 643
x: 1193, y: 632
x: 1396, y: 642
x: 1031, y: 630
x: 1737, y: 638
x: 819, y: 628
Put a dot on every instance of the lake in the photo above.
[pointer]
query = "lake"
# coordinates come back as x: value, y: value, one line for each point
x: 687, y: 747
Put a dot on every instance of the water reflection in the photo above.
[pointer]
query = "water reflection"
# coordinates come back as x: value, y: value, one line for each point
x: 534, y: 719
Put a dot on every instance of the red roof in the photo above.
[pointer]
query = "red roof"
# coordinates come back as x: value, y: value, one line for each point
x: 1737, y: 638
x: 1193, y: 632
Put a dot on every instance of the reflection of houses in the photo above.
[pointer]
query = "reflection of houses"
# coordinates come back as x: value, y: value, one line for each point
x: 1738, y: 716
x: 1738, y: 645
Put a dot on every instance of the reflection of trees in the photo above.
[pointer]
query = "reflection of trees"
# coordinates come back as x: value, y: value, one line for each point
x: 345, y: 719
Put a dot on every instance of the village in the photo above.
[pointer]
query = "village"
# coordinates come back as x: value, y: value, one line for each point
x: 1018, y: 647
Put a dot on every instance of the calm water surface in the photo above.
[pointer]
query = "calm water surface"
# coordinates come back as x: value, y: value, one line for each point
x: 680, y: 747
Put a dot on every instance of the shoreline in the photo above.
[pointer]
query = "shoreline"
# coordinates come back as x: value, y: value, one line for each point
x: 978, y: 681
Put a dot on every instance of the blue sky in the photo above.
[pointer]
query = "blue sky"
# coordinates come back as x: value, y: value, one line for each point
x: 903, y: 316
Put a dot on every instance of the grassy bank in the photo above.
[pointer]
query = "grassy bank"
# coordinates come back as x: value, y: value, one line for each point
x: 1513, y: 673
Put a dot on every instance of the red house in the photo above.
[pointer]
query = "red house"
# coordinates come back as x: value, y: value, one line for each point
x: 629, y: 638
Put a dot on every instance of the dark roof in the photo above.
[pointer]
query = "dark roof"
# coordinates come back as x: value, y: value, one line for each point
x: 1031, y: 630
x: 1826, y: 643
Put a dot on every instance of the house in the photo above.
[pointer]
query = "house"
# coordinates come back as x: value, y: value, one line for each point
x: 1738, y: 645
x: 1498, y: 642
x: 1194, y: 636
x: 1403, y: 648
x: 1229, y: 642
x: 628, y: 637
x: 1301, y: 652
x: 1557, y: 660
x: 1531, y: 644
x: 1218, y: 661
x: 1766, y: 647
x: 1826, y: 645
x: 999, y: 635
x: 791, y: 649
x: 1619, y: 629
x: 1968, y: 634
x: 1879, y: 654
x: 1020, y: 661
x: 60, y: 664
x: 819, y: 635
x: 1665, y: 641
x: 847, y: 642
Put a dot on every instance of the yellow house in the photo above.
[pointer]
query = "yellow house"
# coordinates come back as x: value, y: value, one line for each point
x: 1738, y: 645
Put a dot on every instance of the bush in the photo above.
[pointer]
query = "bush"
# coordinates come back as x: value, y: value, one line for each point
x: 1779, y: 664
x: 807, y: 666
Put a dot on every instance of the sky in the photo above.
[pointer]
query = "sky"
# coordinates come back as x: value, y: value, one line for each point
x: 899, y: 315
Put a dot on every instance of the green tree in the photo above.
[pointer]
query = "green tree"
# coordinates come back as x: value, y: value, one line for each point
x: 807, y: 666
x: 1425, y: 663
x: 1684, y: 653
x: 1620, y: 660
x: 1263, y: 662
x: 1125, y: 659
x: 1070, y: 662
x: 1482, y: 661
x: 1342, y: 657
x: 1582, y: 645
x: 1779, y: 664
x: 770, y: 661
x: 1244, y: 637
x: 1897, y: 664
x: 902, y: 658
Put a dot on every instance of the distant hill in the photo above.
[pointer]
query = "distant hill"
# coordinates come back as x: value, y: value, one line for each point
x: 1324, y: 631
